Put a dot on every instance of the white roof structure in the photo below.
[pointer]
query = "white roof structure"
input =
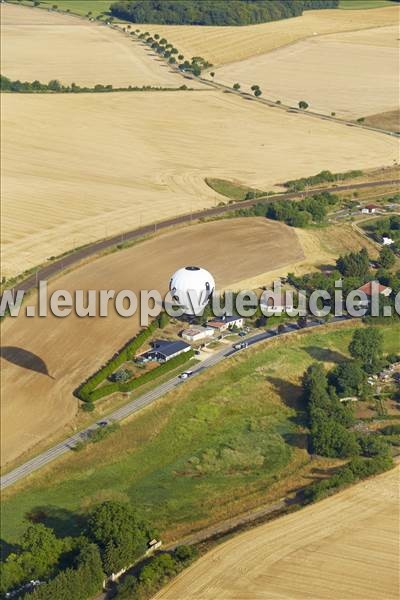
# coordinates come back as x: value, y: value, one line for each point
x: 191, y: 288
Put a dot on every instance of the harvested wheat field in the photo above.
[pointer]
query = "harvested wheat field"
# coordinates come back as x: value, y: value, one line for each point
x: 351, y: 74
x: 37, y: 44
x: 45, y: 359
x: 346, y: 546
x: 221, y: 45
x: 97, y: 168
x: 388, y: 120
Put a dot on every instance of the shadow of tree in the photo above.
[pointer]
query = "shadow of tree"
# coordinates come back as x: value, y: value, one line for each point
x: 25, y: 359
x: 325, y: 354
x: 64, y: 522
x: 297, y: 439
x: 289, y: 392
x: 6, y: 549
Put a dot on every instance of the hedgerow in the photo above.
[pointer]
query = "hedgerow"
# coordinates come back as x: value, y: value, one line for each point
x: 145, y: 378
x: 126, y: 353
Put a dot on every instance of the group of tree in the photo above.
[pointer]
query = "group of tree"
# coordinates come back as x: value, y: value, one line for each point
x: 329, y: 419
x: 301, y: 213
x: 161, y: 46
x: 298, y: 185
x: 214, y: 12
x: 114, y: 537
x: 354, y: 264
x: 388, y: 227
x: 67, y: 568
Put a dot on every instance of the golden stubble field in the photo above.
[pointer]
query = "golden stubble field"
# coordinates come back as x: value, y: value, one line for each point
x: 352, y: 74
x: 37, y: 44
x: 221, y: 45
x: 78, y: 168
x: 45, y: 359
x: 346, y: 546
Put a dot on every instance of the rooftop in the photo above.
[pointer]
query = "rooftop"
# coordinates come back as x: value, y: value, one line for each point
x: 169, y: 347
x: 367, y: 288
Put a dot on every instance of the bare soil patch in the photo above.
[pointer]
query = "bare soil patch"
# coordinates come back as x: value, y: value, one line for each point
x: 343, y: 547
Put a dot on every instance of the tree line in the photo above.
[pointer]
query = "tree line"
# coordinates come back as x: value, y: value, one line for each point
x: 214, y: 12
x: 56, y: 87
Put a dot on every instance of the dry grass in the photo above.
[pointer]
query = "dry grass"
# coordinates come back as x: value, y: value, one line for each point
x: 343, y: 547
x: 37, y: 44
x: 388, y: 120
x: 99, y: 165
x: 352, y: 74
x: 221, y: 45
x: 35, y: 404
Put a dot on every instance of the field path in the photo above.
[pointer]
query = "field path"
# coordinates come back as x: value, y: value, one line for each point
x: 343, y: 547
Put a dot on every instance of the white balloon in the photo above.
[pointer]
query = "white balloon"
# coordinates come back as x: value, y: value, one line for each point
x: 191, y: 288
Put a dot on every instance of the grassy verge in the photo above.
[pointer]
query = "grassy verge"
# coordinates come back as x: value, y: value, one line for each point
x: 363, y: 4
x: 219, y: 445
x: 232, y: 190
x: 77, y: 7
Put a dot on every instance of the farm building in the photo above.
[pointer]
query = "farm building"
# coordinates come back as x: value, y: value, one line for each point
x: 225, y: 322
x: 370, y: 288
x: 196, y: 334
x: 370, y: 209
x: 164, y: 350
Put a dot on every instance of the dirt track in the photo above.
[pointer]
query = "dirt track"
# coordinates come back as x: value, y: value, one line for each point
x: 340, y: 548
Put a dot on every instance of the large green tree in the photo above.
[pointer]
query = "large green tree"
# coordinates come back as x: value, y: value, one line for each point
x: 367, y: 347
x: 120, y: 534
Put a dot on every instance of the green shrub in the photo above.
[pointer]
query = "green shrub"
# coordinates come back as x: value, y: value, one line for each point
x: 390, y: 429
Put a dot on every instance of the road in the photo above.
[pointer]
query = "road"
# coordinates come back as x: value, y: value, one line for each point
x: 136, y: 405
x: 66, y: 262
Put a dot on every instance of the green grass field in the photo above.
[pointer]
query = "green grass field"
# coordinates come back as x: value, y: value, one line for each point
x: 363, y: 4
x: 79, y: 7
x: 222, y: 438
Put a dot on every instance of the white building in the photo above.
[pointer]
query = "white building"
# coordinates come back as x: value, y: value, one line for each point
x: 197, y: 333
x: 191, y: 288
x: 387, y: 241
x: 224, y: 323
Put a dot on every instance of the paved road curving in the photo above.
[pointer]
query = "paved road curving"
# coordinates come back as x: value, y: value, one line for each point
x: 57, y: 266
x: 135, y: 405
